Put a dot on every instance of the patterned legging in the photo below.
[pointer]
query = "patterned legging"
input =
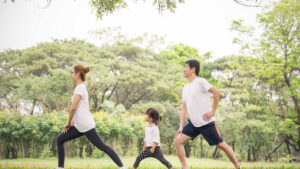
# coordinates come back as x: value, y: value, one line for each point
x: 157, y: 154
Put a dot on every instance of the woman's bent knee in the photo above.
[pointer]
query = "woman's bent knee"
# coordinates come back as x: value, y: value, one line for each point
x: 59, y: 139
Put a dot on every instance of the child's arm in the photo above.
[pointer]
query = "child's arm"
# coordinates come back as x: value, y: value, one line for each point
x: 153, y: 148
x: 144, y: 145
x: 156, y: 139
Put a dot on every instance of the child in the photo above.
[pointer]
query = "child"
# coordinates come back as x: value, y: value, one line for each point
x: 152, y: 140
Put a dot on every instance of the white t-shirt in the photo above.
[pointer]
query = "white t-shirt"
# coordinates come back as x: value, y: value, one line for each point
x: 83, y: 119
x: 152, y: 135
x: 197, y: 99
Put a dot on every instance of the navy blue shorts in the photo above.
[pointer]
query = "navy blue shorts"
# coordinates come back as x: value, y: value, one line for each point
x: 209, y: 131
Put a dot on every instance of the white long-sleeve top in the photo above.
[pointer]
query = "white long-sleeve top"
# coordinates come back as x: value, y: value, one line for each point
x: 152, y: 135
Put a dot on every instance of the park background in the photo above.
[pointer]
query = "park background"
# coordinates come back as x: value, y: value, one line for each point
x: 136, y: 52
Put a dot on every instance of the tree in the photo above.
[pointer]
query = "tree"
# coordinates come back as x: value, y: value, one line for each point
x: 127, y: 74
x: 276, y: 58
x: 280, y: 50
x: 106, y: 7
x: 39, y: 76
x: 121, y: 72
x: 249, y: 3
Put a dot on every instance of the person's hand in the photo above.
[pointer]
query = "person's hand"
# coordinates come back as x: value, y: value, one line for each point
x: 66, y: 128
x: 152, y: 150
x: 208, y: 115
x: 179, y: 131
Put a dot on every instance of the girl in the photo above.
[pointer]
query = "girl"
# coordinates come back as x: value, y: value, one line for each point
x: 152, y: 140
x: 80, y: 120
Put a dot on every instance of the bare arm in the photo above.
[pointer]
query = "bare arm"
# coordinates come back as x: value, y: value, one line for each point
x: 72, y: 110
x: 182, y: 118
x: 216, y: 94
x: 182, y: 114
x: 72, y: 123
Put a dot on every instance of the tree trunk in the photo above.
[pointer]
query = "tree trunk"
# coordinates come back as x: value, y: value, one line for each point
x: 215, y: 153
x: 187, y: 149
x: 26, y: 147
x: 126, y: 146
x: 7, y: 152
x: 194, y: 147
x: 95, y: 100
x: 297, y: 108
x: 249, y: 154
x: 81, y: 150
x: 254, y: 154
x: 89, y: 150
x: 113, y: 144
x: 170, y: 147
x: 201, y: 147
x: 294, y: 98
x: 140, y: 144
x: 14, y: 153
x: 288, y: 146
x: 53, y: 147
x: 33, y: 106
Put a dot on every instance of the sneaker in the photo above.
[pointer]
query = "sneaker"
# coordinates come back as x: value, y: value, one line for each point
x: 123, y: 167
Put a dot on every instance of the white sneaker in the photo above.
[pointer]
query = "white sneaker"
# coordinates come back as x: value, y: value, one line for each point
x: 123, y: 167
x: 59, y: 168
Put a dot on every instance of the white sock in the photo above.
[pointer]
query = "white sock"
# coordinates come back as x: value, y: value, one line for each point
x: 59, y: 168
x: 123, y: 167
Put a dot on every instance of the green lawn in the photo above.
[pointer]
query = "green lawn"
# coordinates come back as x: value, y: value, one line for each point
x: 150, y: 163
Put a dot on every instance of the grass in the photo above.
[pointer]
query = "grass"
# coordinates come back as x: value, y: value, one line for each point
x: 150, y: 163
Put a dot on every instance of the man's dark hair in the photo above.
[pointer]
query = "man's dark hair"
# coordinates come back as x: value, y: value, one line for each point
x: 194, y: 63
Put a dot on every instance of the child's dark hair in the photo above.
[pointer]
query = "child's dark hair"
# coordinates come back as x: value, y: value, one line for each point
x: 154, y: 114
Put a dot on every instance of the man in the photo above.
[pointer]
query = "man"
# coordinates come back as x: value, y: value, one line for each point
x: 196, y: 101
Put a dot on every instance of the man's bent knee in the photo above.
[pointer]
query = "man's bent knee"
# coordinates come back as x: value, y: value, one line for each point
x: 177, y: 141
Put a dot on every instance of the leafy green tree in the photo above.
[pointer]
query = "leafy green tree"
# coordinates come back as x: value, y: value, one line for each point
x: 279, y: 51
x: 275, y: 57
x: 105, y: 7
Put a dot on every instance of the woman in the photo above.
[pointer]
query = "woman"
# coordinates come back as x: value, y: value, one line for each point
x: 80, y: 120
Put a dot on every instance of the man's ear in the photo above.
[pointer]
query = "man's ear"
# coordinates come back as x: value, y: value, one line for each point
x: 194, y: 69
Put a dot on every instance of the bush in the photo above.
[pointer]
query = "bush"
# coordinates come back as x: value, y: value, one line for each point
x: 35, y: 135
x: 97, y: 153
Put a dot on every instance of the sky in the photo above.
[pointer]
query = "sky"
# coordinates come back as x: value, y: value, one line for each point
x: 203, y: 24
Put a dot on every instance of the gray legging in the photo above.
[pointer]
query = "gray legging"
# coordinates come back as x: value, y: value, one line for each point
x: 92, y: 136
